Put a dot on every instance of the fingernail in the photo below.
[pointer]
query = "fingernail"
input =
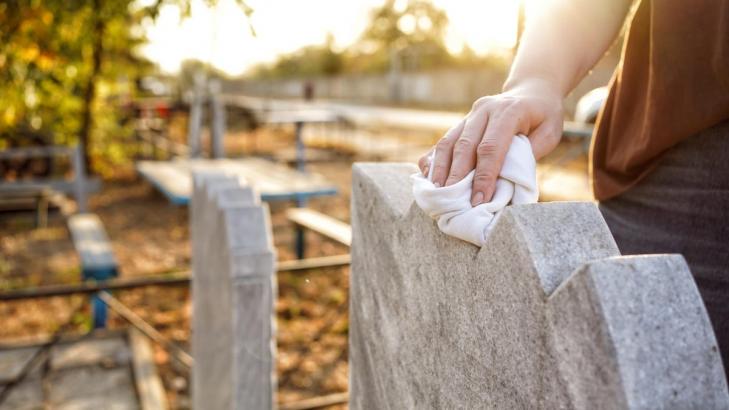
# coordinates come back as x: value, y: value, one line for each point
x: 437, y: 184
x: 477, y: 199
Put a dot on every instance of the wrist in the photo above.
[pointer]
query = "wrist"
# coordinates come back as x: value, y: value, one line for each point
x: 534, y: 85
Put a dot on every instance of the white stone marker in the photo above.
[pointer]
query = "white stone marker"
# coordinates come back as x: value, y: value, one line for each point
x: 547, y: 315
x: 233, y: 292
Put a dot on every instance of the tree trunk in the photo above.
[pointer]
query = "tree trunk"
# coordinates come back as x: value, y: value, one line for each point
x: 90, y: 92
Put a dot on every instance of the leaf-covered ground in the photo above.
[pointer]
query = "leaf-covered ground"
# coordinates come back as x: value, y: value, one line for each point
x: 150, y: 236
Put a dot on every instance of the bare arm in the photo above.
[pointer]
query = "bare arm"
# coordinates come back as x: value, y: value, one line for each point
x: 563, y: 39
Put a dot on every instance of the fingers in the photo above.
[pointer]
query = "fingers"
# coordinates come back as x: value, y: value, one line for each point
x: 464, y: 149
x: 545, y: 137
x: 444, y: 152
x: 491, y: 151
x: 424, y: 162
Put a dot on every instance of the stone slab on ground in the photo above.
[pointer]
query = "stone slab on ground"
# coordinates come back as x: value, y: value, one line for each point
x: 546, y: 315
x: 91, y: 372
x: 28, y: 395
x: 12, y: 362
x: 110, y: 352
x: 92, y: 387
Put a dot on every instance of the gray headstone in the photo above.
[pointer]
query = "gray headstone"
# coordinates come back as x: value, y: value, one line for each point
x: 233, y: 292
x: 546, y: 315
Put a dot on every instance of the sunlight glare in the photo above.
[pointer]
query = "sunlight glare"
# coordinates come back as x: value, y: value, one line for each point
x: 221, y: 35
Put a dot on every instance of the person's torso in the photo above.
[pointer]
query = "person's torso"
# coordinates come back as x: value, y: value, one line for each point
x: 672, y: 82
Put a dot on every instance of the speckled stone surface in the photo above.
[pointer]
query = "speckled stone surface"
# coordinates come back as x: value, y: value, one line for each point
x: 233, y: 292
x: 546, y: 315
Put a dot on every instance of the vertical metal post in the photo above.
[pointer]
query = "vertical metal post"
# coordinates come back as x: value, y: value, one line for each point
x: 155, y: 145
x: 99, y: 313
x: 98, y: 307
x: 300, y: 200
x: 300, y: 148
x: 79, y: 180
x: 41, y: 212
x: 300, y: 233
x: 218, y: 123
x: 195, y: 118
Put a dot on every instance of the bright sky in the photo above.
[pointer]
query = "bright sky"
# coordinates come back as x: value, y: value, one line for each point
x: 221, y: 35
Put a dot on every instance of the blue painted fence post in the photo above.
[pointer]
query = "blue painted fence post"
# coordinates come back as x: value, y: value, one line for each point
x: 98, y: 307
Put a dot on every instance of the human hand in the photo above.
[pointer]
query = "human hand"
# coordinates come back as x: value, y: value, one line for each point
x: 483, y: 137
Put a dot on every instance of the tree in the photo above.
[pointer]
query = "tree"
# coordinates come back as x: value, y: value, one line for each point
x: 414, y: 35
x: 52, y: 60
x: 306, y: 62
x: 62, y: 61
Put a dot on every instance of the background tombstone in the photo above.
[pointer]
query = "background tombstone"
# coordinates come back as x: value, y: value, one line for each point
x: 546, y: 315
x: 233, y: 292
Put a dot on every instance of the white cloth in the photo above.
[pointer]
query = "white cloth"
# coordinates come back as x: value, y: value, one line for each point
x: 451, y: 206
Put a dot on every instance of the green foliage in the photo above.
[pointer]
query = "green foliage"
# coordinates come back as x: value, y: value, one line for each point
x: 68, y: 71
x: 420, y: 24
x: 38, y: 67
x: 185, y: 79
x: 46, y: 52
x: 309, y: 61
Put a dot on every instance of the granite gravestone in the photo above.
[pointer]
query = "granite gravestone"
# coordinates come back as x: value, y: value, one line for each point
x: 547, y: 315
x: 233, y: 292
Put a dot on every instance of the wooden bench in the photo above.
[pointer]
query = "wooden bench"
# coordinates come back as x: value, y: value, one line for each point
x: 96, y: 254
x: 322, y: 224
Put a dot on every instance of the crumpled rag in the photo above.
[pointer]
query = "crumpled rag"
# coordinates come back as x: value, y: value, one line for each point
x: 451, y: 206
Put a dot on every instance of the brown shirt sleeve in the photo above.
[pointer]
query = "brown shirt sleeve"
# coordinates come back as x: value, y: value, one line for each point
x: 671, y: 83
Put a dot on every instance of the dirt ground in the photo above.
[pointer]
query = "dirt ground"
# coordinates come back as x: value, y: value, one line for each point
x: 151, y: 236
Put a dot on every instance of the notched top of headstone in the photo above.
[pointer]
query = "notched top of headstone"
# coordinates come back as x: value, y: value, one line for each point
x: 247, y: 227
x: 385, y: 179
x: 235, y: 219
x: 559, y: 236
x: 545, y: 315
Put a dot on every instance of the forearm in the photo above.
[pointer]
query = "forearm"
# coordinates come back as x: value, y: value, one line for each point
x: 563, y: 40
x: 561, y: 43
